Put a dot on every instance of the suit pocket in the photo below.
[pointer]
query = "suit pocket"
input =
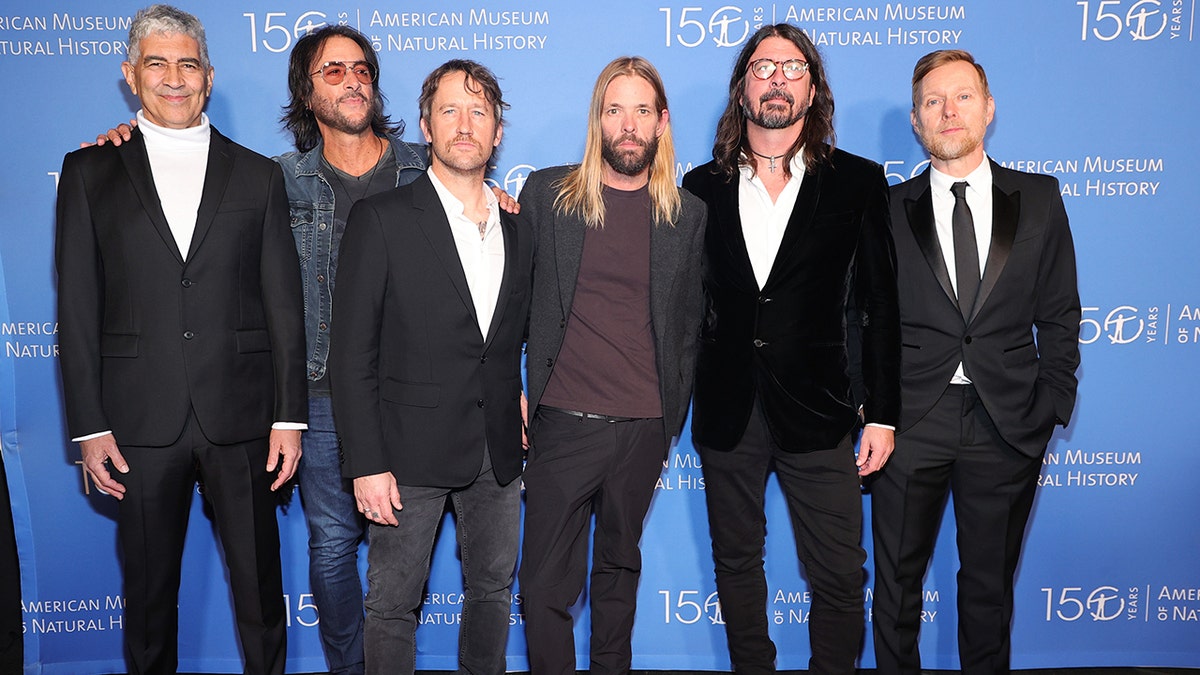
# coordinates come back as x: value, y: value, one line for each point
x: 239, y: 205
x: 119, y: 345
x: 254, y: 340
x: 1019, y: 356
x: 410, y: 393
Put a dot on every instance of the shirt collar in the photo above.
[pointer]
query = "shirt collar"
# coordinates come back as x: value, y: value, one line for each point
x: 977, y: 181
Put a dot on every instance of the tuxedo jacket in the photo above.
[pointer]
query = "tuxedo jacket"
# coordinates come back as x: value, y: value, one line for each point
x: 147, y: 335
x: 826, y: 315
x: 417, y: 390
x: 1020, y: 347
x: 675, y: 295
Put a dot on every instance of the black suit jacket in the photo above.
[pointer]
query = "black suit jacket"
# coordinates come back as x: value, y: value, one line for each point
x: 791, y: 343
x: 417, y: 390
x: 1026, y: 383
x: 675, y: 295
x: 145, y: 335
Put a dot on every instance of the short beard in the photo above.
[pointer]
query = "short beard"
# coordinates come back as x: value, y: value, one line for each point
x: 628, y: 162
x: 327, y: 113
x: 949, y: 150
x: 775, y: 118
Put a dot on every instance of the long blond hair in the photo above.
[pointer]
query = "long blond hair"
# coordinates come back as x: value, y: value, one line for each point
x: 581, y: 193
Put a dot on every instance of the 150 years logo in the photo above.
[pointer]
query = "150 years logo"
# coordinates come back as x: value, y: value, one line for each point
x: 1136, y: 20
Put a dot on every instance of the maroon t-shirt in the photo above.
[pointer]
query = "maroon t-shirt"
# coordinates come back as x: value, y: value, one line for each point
x: 606, y: 364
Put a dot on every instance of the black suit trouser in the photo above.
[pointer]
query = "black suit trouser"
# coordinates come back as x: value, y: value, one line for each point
x: 955, y: 448
x: 825, y: 507
x: 579, y: 467
x: 151, y: 524
x: 11, y: 639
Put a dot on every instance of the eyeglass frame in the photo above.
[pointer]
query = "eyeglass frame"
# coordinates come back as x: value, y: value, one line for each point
x: 349, y: 67
x: 777, y: 66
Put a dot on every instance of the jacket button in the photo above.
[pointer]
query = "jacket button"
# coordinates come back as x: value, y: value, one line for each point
x: 562, y: 323
x: 762, y: 299
x: 322, y: 227
x: 479, y: 403
x: 967, y: 339
x: 759, y: 343
x: 187, y: 283
x: 549, y: 363
x: 483, y: 359
x: 188, y: 335
x: 321, y: 278
x: 323, y: 326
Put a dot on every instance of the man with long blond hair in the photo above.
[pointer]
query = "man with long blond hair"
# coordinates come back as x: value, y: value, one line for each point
x: 612, y: 338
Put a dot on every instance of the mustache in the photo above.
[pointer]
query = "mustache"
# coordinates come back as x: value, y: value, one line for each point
x: 352, y: 95
x: 629, y: 137
x: 777, y: 94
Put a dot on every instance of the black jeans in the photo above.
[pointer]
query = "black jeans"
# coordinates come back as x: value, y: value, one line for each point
x: 825, y: 507
x: 487, y: 523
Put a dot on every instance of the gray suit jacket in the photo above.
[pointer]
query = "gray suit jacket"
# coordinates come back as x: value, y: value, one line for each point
x: 676, y: 293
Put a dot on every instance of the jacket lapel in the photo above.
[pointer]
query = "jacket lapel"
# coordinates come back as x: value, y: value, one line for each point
x: 1006, y: 208
x: 568, y: 254
x: 920, y: 219
x: 436, y: 228
x: 509, y: 230
x: 216, y: 179
x: 137, y: 165
x: 728, y: 218
x: 800, y: 220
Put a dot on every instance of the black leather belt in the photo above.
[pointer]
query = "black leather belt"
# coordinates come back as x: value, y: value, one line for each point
x: 590, y: 416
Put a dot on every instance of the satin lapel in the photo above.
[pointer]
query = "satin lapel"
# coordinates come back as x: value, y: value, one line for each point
x: 801, y: 218
x: 1006, y: 208
x: 216, y: 179
x: 137, y: 165
x: 568, y: 254
x: 920, y: 219
x: 433, y: 224
x: 509, y: 230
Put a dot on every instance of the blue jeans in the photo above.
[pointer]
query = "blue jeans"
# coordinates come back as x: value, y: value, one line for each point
x: 334, y: 531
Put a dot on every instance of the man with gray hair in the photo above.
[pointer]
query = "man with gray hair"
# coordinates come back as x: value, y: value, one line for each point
x: 182, y: 342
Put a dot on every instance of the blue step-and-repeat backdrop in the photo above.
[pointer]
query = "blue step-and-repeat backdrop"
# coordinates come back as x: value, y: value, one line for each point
x: 1102, y: 94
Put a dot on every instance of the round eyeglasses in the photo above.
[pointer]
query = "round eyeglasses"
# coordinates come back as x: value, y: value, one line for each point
x: 333, y: 72
x: 793, y: 69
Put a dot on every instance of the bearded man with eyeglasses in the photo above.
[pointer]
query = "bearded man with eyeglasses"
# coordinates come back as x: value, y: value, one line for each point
x: 800, y: 344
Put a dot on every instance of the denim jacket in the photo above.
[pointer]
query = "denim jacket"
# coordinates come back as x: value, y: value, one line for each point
x: 311, y: 199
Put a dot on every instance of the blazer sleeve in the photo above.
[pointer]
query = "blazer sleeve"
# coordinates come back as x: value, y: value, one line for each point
x: 284, y: 305
x: 354, y: 348
x: 80, y: 302
x: 878, y: 307
x: 1057, y: 312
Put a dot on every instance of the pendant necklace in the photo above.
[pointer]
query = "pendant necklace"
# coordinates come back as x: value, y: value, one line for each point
x: 769, y: 158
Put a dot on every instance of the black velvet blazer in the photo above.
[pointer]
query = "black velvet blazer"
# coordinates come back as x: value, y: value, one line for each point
x: 826, y: 317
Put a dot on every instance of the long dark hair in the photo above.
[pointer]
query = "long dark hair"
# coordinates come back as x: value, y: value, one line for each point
x: 297, y: 117
x: 817, y: 137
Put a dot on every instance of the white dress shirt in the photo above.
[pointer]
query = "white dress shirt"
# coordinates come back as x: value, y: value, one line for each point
x: 764, y: 221
x: 482, y: 257
x: 979, y: 198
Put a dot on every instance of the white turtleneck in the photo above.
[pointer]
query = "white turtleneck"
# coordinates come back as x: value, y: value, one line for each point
x: 178, y: 161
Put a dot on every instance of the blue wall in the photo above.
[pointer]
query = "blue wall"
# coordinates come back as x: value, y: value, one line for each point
x: 1102, y: 94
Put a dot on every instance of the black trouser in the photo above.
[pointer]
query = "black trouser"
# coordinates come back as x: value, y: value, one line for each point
x: 825, y: 506
x: 151, y: 524
x: 578, y: 467
x: 11, y: 642
x: 955, y: 448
